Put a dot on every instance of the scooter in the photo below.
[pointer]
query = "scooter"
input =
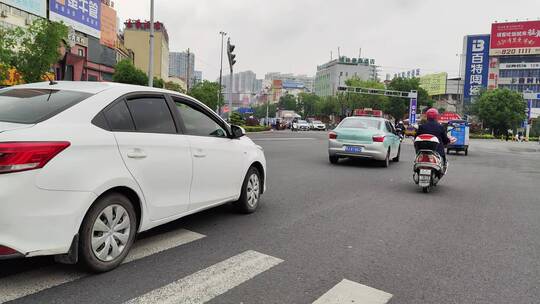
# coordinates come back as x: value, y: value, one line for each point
x: 294, y: 127
x: 429, y: 167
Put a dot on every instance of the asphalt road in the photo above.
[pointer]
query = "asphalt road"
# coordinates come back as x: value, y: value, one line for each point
x: 474, y: 239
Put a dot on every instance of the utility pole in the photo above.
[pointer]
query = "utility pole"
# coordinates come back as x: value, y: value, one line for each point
x: 222, y: 34
x: 187, y: 71
x: 151, y: 59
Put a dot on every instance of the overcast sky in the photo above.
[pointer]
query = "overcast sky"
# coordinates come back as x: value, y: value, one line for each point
x: 294, y: 36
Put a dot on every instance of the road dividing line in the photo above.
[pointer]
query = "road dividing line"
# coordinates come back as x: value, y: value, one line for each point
x: 351, y: 292
x: 211, y: 282
x: 27, y: 283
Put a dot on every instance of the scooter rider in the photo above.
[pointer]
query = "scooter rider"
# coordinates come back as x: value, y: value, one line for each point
x: 434, y: 128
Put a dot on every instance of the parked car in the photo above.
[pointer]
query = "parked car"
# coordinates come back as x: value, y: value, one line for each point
x: 302, y: 125
x: 364, y: 137
x: 318, y: 125
x: 85, y: 166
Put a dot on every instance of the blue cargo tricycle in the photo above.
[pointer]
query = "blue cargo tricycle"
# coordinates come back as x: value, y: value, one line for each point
x: 460, y: 130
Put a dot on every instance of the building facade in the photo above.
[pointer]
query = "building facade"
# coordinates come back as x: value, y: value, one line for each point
x: 182, y: 65
x: 507, y: 58
x: 137, y: 37
x: 307, y: 81
x: 198, y: 77
x: 93, y: 46
x: 334, y: 73
x: 244, y: 90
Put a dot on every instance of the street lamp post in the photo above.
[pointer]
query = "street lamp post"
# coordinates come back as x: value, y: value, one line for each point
x: 222, y: 34
x: 151, y: 59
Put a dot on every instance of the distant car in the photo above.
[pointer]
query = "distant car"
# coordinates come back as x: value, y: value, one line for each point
x: 302, y: 125
x: 318, y: 125
x: 364, y: 137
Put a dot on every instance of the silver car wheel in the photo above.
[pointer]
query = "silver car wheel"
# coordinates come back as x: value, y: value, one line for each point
x: 110, y: 233
x: 253, y: 190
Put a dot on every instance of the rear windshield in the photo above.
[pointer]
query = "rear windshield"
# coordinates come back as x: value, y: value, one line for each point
x: 30, y: 106
x: 361, y: 124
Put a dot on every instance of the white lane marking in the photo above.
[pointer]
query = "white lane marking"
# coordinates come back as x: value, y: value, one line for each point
x: 27, y: 283
x: 211, y: 282
x: 351, y: 292
x: 283, y: 138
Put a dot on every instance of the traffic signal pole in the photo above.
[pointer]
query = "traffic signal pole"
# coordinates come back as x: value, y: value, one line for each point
x: 232, y: 61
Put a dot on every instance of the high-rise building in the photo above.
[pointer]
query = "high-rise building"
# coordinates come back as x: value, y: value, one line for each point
x: 198, y: 77
x: 245, y: 86
x: 307, y: 81
x: 334, y: 73
x: 183, y: 65
x: 136, y: 37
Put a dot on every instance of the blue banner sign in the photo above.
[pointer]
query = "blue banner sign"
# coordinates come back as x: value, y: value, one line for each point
x: 476, y: 65
x: 412, y: 111
x: 83, y: 15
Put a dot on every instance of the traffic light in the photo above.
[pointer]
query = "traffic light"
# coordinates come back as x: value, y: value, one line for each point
x: 230, y: 49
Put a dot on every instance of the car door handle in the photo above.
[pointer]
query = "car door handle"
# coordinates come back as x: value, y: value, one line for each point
x: 136, y: 154
x: 199, y: 154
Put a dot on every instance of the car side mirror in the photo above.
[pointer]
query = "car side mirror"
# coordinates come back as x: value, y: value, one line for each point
x: 237, y: 131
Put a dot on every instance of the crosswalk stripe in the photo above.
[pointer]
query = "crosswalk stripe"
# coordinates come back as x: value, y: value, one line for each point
x: 27, y: 283
x: 211, y: 282
x: 351, y: 292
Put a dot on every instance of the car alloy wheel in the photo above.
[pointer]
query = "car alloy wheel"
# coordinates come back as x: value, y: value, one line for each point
x: 253, y: 190
x: 110, y: 233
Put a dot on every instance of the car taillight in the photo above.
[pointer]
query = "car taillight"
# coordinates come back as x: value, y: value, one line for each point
x: 332, y: 135
x: 426, y: 158
x: 378, y: 138
x: 23, y: 156
x: 7, y: 251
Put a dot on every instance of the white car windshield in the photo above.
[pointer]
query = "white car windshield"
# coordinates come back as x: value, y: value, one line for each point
x: 302, y: 122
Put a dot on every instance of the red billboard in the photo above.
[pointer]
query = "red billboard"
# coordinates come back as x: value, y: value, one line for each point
x: 515, y: 38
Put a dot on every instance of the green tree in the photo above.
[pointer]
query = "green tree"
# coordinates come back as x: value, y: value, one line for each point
x: 126, y: 72
x: 307, y: 102
x: 360, y: 101
x: 398, y: 107
x: 158, y: 83
x: 328, y: 106
x: 260, y: 111
x: 173, y: 86
x: 236, y: 119
x: 288, y: 102
x: 38, y: 48
x: 207, y: 92
x: 500, y: 109
x: 535, y: 127
x: 7, y: 53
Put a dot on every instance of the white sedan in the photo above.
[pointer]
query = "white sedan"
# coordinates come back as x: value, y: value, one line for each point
x: 85, y: 166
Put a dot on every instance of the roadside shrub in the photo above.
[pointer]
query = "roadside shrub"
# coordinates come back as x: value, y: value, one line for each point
x: 251, y: 129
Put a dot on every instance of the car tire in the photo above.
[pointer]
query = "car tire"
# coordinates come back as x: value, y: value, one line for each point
x: 251, y: 192
x: 386, y: 162
x: 396, y: 159
x: 102, y: 257
x: 333, y: 159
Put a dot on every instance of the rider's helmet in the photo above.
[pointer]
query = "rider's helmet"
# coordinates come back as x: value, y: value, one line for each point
x: 432, y: 114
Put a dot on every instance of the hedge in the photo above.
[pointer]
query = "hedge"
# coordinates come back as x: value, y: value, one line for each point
x: 489, y: 136
x: 481, y: 136
x: 251, y: 129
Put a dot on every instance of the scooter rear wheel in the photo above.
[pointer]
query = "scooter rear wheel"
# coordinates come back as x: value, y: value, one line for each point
x: 426, y: 189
